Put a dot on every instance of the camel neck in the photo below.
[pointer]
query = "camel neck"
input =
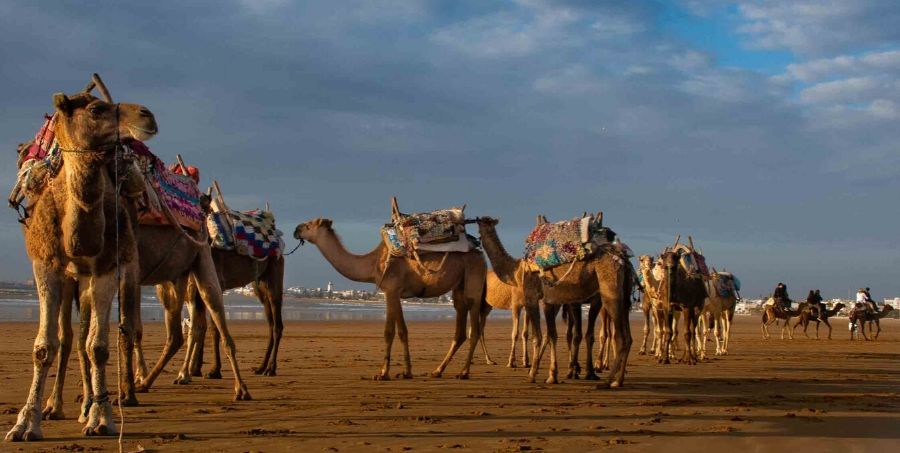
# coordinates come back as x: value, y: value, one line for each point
x: 359, y: 268
x: 504, y: 265
x: 85, y: 183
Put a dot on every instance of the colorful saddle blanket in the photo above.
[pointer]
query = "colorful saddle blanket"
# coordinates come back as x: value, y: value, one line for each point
x: 553, y: 244
x: 437, y: 231
x: 179, y: 192
x: 250, y: 233
x: 41, y: 159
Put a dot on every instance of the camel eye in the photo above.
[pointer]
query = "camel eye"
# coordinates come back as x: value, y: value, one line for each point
x: 97, y: 109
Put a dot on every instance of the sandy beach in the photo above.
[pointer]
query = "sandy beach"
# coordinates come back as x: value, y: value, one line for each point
x: 766, y: 396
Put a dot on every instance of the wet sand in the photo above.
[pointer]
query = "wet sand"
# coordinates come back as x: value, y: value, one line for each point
x: 775, y: 395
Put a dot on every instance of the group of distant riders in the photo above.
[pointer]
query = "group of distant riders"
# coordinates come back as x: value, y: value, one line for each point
x: 864, y: 300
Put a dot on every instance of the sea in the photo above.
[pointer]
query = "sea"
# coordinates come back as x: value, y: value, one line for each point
x: 22, y: 306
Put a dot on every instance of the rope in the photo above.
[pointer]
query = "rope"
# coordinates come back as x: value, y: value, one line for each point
x: 294, y: 250
x: 118, y: 280
x: 554, y: 283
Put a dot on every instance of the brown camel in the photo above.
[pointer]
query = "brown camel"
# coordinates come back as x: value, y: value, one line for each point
x: 685, y: 292
x: 860, y: 316
x: 653, y: 282
x: 79, y: 230
x: 811, y: 314
x: 771, y: 313
x: 718, y: 311
x: 401, y: 277
x: 501, y: 296
x: 236, y: 271
x: 606, y: 273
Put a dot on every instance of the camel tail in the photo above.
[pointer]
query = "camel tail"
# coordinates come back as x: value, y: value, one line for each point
x: 629, y: 284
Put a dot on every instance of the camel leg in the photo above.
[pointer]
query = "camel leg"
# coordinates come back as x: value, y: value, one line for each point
x: 459, y: 336
x: 877, y: 329
x: 199, y: 327
x: 403, y: 333
x: 211, y: 293
x: 196, y: 331
x: 99, y: 291
x: 643, y: 349
x: 49, y: 288
x: 550, y: 312
x: 615, y: 303
x: 590, y: 366
x: 701, y: 335
x: 573, y: 338
x: 827, y: 324
x: 142, y: 371
x: 169, y: 295
x: 526, y: 329
x: 274, y: 284
x: 516, y: 311
x: 534, y: 320
x: 53, y: 410
x: 667, y: 335
x: 84, y: 310
x: 690, y: 324
x: 485, y: 311
x: 270, y: 322
x: 392, y: 308
x: 130, y: 302
x: 216, y: 371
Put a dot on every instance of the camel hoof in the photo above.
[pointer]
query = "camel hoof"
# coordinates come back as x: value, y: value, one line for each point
x: 591, y: 377
x: 604, y: 385
x: 381, y: 377
x: 242, y: 394
x: 127, y: 400
x: 196, y: 373
x: 437, y: 374
x: 214, y: 375
x: 405, y: 375
x: 531, y: 380
x: 79, y: 398
x: 142, y: 388
x: 463, y: 376
x: 552, y: 380
x: 52, y: 413
x: 615, y: 384
x: 490, y: 362
x: 21, y: 433
x: 511, y: 365
x: 181, y: 381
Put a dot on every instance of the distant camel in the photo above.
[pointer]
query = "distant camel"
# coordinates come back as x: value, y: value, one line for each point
x: 811, y: 314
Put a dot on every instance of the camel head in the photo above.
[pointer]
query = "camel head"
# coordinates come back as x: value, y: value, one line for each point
x: 486, y: 224
x: 87, y: 123
x: 312, y: 230
x: 646, y: 262
x: 89, y: 131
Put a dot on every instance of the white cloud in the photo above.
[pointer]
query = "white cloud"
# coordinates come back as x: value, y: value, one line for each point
x: 815, y: 27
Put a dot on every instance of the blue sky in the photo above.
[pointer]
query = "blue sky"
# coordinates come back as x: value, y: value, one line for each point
x: 764, y: 129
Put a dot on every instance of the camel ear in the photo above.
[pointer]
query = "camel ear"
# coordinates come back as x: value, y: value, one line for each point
x: 62, y: 103
x: 538, y: 221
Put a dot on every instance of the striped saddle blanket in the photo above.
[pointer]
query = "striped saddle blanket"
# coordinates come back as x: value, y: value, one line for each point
x: 553, y: 244
x: 179, y: 192
x: 250, y: 233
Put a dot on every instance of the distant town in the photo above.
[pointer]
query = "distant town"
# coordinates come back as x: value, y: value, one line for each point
x: 329, y: 292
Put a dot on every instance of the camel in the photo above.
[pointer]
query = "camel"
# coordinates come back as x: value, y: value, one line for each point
x: 653, y: 274
x: 859, y: 316
x: 772, y: 314
x: 182, y: 257
x: 718, y: 312
x: 684, y: 292
x: 236, y: 271
x: 78, y: 234
x: 401, y: 277
x: 811, y: 314
x: 501, y: 296
x: 606, y: 273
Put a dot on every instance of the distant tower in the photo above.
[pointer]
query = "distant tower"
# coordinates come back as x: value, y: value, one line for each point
x: 330, y: 287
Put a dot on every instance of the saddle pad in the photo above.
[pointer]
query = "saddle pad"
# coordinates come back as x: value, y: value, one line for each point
x: 179, y: 193
x: 250, y: 233
x: 552, y: 244
x: 441, y: 230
